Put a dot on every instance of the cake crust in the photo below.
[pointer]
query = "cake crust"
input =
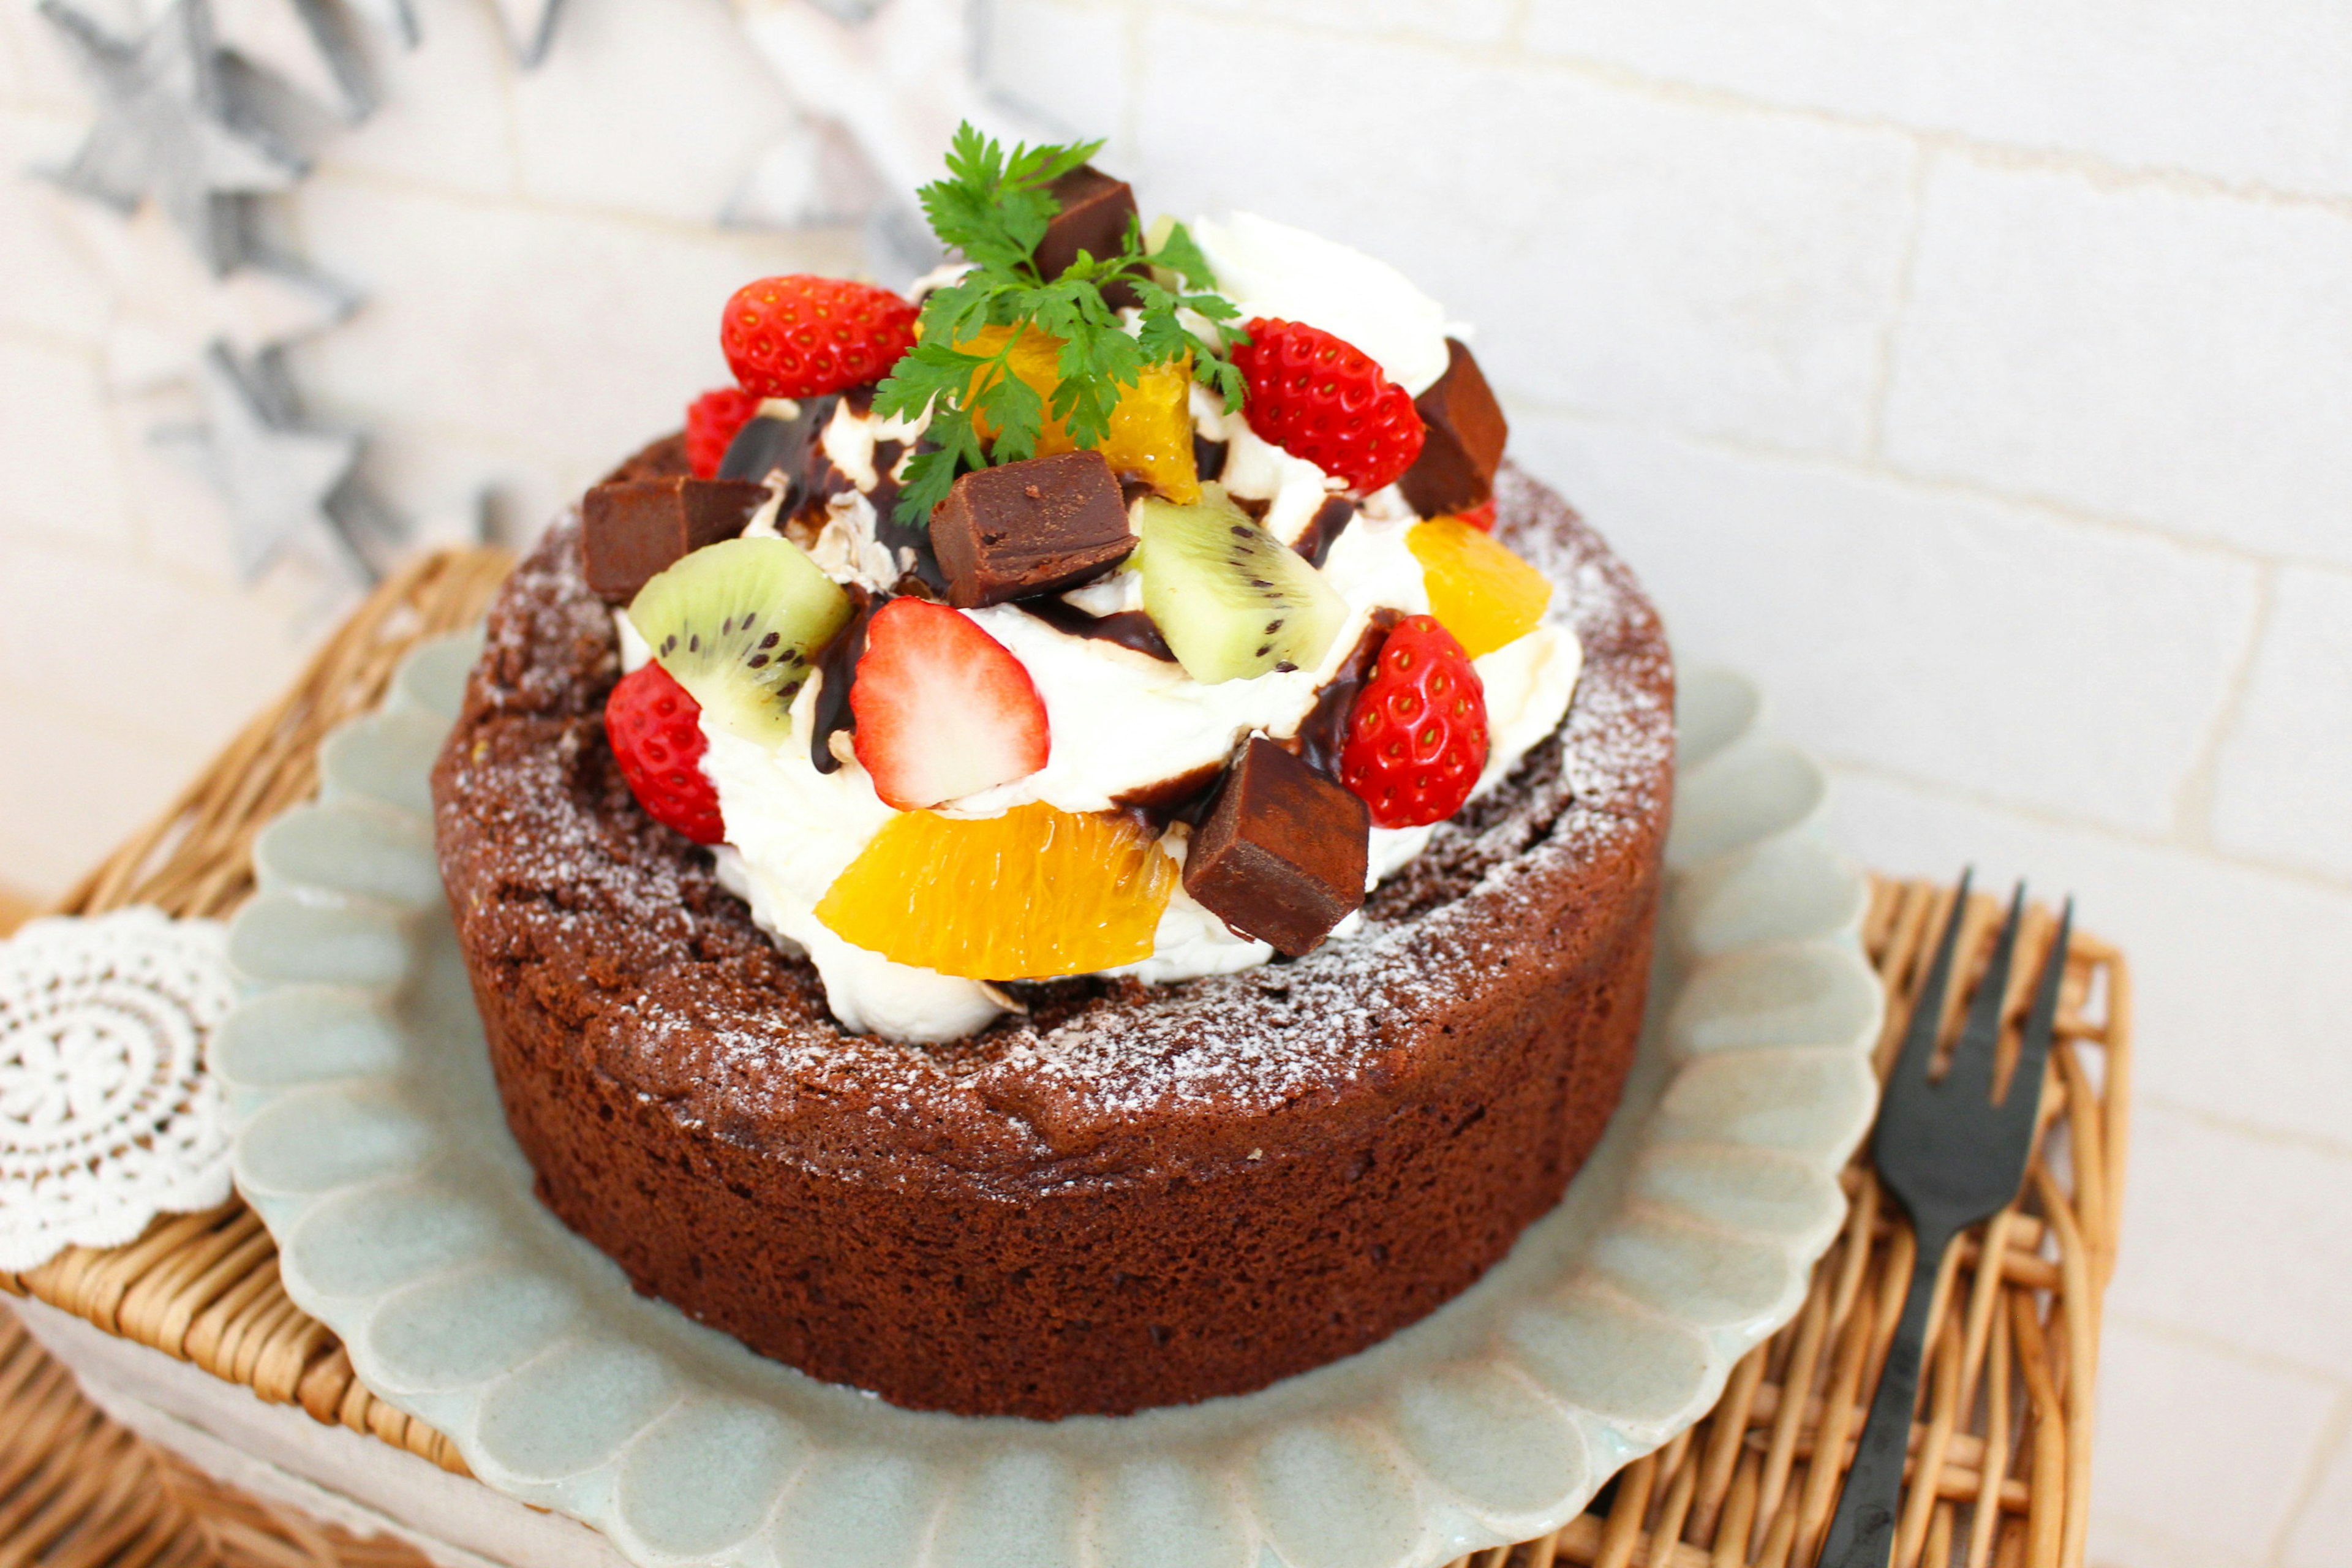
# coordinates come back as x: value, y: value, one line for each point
x: 1129, y: 1197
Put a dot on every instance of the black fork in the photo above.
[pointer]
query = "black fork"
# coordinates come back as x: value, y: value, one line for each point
x: 1953, y: 1157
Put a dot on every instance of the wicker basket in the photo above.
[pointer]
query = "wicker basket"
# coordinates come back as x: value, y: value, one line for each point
x: 2006, y: 1412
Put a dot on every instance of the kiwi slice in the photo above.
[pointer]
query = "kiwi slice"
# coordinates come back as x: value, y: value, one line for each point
x: 1232, y: 599
x: 738, y: 624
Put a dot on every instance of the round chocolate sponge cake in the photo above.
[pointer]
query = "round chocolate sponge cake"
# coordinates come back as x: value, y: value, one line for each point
x: 1126, y: 1196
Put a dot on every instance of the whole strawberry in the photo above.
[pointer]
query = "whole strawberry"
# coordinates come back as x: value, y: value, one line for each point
x: 651, y: 722
x: 711, y: 422
x: 1417, y: 737
x: 1322, y: 398
x: 801, y: 336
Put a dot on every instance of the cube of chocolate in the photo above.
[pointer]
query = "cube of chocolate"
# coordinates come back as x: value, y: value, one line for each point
x: 1456, y: 467
x: 1037, y: 526
x: 630, y: 530
x: 1096, y: 212
x: 1282, y: 855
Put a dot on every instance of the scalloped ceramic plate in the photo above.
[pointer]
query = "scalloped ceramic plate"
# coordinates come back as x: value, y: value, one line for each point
x: 370, y: 1140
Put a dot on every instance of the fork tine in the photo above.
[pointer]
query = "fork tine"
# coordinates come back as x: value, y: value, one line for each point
x: 2041, y: 1029
x: 1928, y: 1012
x: 1970, y: 1073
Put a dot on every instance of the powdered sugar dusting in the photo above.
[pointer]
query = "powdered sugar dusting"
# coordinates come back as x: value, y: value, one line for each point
x: 617, y: 928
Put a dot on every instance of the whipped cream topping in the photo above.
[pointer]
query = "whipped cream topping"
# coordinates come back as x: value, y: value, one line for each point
x: 1121, y: 721
x: 1270, y: 269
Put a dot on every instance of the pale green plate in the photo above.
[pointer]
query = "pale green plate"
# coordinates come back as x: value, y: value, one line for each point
x: 370, y: 1142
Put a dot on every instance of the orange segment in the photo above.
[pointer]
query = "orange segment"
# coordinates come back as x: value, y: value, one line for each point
x: 1151, y: 428
x: 1152, y: 432
x: 1478, y: 590
x: 1033, y: 893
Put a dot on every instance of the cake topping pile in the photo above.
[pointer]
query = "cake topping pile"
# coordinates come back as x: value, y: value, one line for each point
x: 1103, y: 609
x: 1027, y: 352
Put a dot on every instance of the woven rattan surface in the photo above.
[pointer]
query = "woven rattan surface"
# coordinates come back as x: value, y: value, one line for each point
x: 2004, y: 1424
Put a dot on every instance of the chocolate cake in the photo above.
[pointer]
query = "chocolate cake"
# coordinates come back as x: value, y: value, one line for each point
x: 1127, y: 1195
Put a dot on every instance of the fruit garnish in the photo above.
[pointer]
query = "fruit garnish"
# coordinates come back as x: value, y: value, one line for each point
x: 738, y: 624
x: 995, y: 207
x: 800, y: 336
x: 1319, y: 397
x: 651, y: 723
x: 1233, y: 600
x: 943, y: 710
x: 1478, y: 590
x: 1417, y: 739
x: 712, y: 421
x: 1033, y: 893
x: 1150, y: 430
x: 1480, y: 516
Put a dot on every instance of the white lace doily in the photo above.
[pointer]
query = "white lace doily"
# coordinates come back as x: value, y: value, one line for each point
x: 108, y: 1116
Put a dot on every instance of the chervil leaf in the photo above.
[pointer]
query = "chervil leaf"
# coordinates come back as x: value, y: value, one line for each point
x: 1180, y: 253
x: 994, y: 208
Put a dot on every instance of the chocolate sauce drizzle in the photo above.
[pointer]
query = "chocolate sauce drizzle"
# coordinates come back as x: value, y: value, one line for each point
x: 1184, y: 798
x: 793, y: 446
x: 1324, y: 731
x: 1208, y: 458
x: 1324, y: 528
x: 1128, y: 628
x: 838, y: 664
x: 908, y: 545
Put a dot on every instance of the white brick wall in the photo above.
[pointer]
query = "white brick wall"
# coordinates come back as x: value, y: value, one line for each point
x: 1976, y: 372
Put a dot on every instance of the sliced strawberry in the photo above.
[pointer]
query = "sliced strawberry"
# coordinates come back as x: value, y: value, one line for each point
x: 653, y: 725
x: 942, y: 710
x: 712, y: 421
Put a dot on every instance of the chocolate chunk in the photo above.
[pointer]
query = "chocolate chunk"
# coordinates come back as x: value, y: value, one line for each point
x: 1455, y: 469
x: 1324, y: 528
x: 1037, y: 526
x: 1097, y: 212
x: 1283, y: 853
x: 632, y: 529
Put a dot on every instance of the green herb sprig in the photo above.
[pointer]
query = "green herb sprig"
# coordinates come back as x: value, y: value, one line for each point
x: 994, y: 208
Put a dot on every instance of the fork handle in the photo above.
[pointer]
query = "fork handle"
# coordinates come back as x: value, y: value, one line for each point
x: 1862, y: 1532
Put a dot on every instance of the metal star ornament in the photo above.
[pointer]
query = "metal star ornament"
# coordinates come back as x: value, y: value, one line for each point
x: 278, y: 476
x: 169, y: 307
x: 531, y: 27
x: 528, y: 24
x: 883, y: 85
x: 314, y: 45
x: 398, y: 17
x: 198, y: 131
